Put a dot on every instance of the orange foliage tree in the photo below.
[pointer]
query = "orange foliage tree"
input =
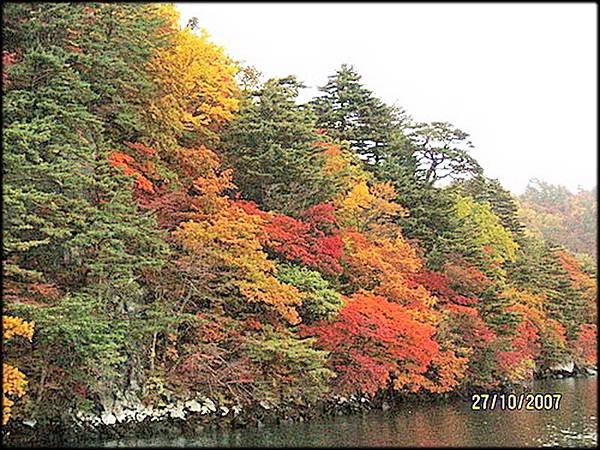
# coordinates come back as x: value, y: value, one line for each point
x: 379, y: 337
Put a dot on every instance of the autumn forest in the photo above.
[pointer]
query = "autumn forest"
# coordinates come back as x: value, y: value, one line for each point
x: 177, y: 226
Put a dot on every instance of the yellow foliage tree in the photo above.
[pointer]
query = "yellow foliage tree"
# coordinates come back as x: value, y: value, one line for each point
x: 196, y: 79
x: 228, y: 242
x: 13, y: 380
x: 370, y: 209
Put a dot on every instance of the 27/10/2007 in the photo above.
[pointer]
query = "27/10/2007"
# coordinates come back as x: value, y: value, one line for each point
x: 528, y: 402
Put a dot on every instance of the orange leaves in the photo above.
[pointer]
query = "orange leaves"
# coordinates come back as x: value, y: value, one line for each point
x: 385, y: 266
x: 13, y: 380
x: 133, y: 167
x: 227, y: 244
x: 371, y: 341
x: 444, y: 374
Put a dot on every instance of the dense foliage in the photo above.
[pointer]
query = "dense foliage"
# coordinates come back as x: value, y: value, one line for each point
x: 174, y: 225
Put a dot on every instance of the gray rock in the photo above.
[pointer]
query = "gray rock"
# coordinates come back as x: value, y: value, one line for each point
x: 177, y: 413
x: 210, y: 405
x: 108, y: 419
x: 565, y: 366
x: 264, y: 404
x: 30, y: 422
x: 193, y: 406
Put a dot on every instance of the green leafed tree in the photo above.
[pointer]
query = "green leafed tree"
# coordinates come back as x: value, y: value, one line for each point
x: 75, y: 244
x: 272, y: 147
x: 351, y: 112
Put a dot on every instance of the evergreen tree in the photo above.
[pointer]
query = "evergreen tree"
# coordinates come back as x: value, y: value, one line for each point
x: 74, y: 242
x: 350, y: 112
x: 272, y: 147
x: 503, y: 204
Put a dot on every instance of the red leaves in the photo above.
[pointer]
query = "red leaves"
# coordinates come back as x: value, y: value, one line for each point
x: 439, y: 285
x: 372, y: 340
x: 8, y: 59
x: 314, y: 242
x: 474, y: 332
x: 466, y: 278
x: 131, y: 166
x: 586, y: 344
x: 518, y: 362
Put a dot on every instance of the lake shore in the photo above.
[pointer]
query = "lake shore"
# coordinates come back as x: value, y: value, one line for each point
x: 189, y: 418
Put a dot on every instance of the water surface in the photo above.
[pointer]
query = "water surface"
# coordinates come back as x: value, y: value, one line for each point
x: 450, y: 424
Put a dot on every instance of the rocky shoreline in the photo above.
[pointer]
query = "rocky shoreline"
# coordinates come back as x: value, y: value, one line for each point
x: 129, y: 418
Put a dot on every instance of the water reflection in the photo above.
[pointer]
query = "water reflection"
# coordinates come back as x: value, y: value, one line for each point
x: 431, y: 425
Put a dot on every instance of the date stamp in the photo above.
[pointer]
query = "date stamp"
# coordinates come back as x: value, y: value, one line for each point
x: 511, y: 402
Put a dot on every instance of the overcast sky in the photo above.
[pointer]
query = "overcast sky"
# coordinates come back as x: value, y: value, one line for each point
x: 520, y: 79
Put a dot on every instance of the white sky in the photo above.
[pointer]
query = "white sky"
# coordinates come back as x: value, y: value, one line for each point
x: 520, y: 79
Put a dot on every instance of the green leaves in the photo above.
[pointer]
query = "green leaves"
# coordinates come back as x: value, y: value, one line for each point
x: 272, y: 148
x: 320, y: 300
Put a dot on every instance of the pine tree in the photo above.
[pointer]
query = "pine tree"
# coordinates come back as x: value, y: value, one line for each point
x: 75, y: 242
x: 351, y: 112
x: 503, y: 204
x: 272, y: 147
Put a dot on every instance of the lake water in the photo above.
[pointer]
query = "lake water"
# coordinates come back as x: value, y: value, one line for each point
x: 452, y: 424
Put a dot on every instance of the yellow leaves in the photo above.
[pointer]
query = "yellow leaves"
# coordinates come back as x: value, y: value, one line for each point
x: 228, y: 241
x: 13, y: 380
x: 197, y: 82
x: 13, y: 326
x: 13, y: 384
x: 522, y: 370
x: 383, y: 256
x: 486, y: 229
x: 367, y: 208
x: 524, y: 297
x: 169, y: 13
x: 268, y: 290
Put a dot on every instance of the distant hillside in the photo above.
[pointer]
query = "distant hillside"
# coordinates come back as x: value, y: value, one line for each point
x: 561, y: 216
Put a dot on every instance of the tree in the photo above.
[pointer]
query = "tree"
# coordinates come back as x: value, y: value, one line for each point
x: 272, y: 146
x: 502, y: 202
x: 314, y: 241
x: 227, y: 249
x: 559, y: 216
x: 378, y: 336
x: 486, y: 231
x: 441, y: 152
x: 75, y: 94
x: 198, y: 93
x: 321, y: 302
x: 350, y: 112
x: 13, y: 380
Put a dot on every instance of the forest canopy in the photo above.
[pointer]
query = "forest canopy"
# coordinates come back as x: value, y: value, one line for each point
x: 175, y: 224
